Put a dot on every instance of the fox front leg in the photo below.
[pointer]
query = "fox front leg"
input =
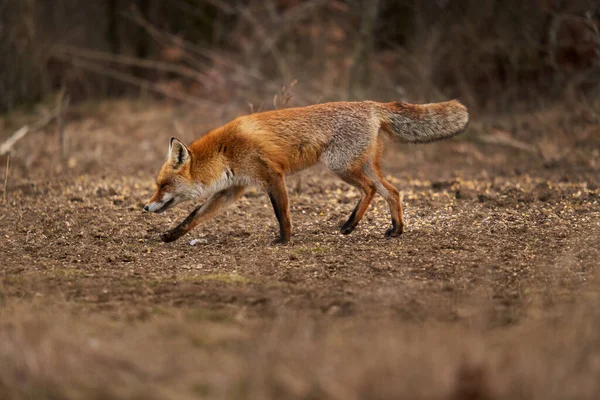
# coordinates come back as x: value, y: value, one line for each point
x: 203, y: 212
x: 281, y: 206
x: 184, y: 227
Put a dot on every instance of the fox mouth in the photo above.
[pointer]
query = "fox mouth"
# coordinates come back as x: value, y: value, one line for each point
x: 165, y: 206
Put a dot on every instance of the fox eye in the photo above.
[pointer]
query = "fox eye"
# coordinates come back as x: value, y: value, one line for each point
x: 162, y: 186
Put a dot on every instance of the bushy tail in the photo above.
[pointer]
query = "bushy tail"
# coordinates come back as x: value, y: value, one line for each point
x: 422, y: 123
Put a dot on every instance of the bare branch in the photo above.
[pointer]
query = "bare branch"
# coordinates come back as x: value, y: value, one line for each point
x: 142, y: 83
x: 128, y: 60
x: 164, y: 38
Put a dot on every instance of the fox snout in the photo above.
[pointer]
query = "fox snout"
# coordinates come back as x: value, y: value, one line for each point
x: 159, y: 206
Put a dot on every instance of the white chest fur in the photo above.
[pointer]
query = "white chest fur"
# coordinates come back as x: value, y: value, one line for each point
x: 226, y: 180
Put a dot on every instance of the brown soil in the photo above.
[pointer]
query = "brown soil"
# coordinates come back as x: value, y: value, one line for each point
x: 489, y: 293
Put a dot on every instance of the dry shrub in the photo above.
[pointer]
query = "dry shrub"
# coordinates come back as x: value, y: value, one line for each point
x: 60, y: 356
x: 50, y: 357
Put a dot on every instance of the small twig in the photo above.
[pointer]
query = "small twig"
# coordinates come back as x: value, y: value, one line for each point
x: 6, y: 179
x: 20, y: 134
x: 62, y: 135
x: 504, y: 138
x: 284, y: 96
x: 14, y: 138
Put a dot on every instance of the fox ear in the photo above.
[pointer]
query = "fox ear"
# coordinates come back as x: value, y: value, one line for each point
x: 178, y: 152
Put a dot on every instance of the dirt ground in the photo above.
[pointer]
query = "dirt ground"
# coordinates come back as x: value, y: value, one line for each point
x: 491, y: 292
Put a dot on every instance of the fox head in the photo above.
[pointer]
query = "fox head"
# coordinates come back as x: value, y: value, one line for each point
x: 177, y: 181
x: 174, y: 183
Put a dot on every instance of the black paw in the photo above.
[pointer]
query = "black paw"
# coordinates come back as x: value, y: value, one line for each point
x: 168, y: 237
x: 347, y: 228
x: 279, y: 242
x: 393, y: 232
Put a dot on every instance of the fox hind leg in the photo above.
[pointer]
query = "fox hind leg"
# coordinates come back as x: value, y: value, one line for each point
x: 389, y: 193
x: 393, y: 200
x: 359, y: 180
x: 349, y: 159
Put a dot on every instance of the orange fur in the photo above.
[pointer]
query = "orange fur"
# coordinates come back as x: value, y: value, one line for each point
x: 262, y: 148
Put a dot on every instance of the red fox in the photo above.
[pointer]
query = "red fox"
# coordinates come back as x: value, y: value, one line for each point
x: 260, y: 149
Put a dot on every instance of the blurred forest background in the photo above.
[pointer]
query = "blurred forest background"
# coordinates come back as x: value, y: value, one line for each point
x: 494, y: 55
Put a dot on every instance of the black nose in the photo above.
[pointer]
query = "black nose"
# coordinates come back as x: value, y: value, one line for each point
x: 146, y: 208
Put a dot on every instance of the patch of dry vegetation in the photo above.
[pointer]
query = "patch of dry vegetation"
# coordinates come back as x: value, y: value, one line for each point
x: 53, y: 354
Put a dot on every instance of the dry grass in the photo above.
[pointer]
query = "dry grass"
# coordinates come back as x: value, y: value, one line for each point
x: 52, y: 354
